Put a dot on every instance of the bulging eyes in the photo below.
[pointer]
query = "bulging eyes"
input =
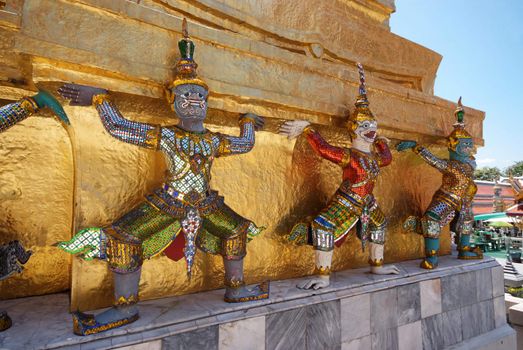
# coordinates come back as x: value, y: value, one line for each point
x: 366, y: 125
x: 198, y: 94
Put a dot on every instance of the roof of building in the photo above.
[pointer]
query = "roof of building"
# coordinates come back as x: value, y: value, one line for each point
x: 515, y: 210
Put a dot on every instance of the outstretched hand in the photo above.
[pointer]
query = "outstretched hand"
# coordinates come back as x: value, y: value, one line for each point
x: 45, y: 99
x: 405, y: 145
x: 293, y: 128
x: 80, y: 95
x: 259, y: 122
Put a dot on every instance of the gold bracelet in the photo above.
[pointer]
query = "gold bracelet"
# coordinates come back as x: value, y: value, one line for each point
x: 29, y: 105
x: 376, y: 262
x: 322, y: 270
x: 100, y: 98
x: 417, y: 149
x: 234, y: 283
x: 308, y: 130
x: 132, y: 299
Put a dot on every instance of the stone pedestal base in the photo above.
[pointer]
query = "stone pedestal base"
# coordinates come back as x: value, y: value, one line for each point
x: 460, y: 306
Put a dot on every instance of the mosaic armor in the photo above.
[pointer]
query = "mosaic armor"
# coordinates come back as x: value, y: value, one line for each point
x: 353, y: 204
x: 15, y: 112
x: 181, y: 215
x: 354, y: 199
x: 452, y: 202
x: 454, y: 196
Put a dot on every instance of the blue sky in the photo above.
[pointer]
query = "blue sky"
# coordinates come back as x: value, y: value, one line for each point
x: 481, y: 42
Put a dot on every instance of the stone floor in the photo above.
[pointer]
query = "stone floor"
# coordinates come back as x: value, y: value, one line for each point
x: 412, y: 310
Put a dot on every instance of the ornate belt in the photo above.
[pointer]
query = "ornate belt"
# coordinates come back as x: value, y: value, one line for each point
x: 192, y: 198
x: 356, y: 199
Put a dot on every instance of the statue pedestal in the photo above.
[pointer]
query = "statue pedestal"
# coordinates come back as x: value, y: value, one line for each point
x: 459, y: 305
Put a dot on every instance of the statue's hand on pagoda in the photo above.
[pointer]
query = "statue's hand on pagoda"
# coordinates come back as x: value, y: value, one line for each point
x: 293, y: 128
x: 80, y: 95
x: 45, y: 99
x: 405, y: 145
x: 259, y: 122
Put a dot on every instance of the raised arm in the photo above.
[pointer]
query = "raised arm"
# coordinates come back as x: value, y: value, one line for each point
x: 15, y: 112
x: 425, y: 154
x: 382, y: 149
x: 140, y: 134
x: 431, y: 159
x: 228, y: 145
x: 335, y: 154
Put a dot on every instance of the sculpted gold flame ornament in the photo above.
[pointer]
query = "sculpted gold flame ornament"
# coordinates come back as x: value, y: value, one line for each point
x: 452, y: 202
x: 353, y: 203
x: 184, y: 213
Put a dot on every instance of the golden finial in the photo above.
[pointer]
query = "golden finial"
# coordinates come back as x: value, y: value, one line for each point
x: 185, y: 31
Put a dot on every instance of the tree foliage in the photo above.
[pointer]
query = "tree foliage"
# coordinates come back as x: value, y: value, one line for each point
x: 493, y: 173
x: 515, y: 169
x: 487, y: 173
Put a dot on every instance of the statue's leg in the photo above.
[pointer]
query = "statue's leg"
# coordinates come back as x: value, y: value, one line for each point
x: 122, y: 246
x: 235, y: 288
x: 227, y: 233
x: 438, y: 214
x: 329, y: 228
x: 125, y: 260
x: 322, y: 238
x: 431, y: 231
x: 123, y: 311
x: 465, y: 251
x: 378, y: 228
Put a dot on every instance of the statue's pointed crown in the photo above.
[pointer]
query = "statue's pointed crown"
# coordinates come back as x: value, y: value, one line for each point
x: 185, y: 70
x: 459, y: 131
x: 362, y: 111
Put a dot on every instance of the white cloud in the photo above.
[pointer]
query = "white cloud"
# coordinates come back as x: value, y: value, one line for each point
x: 486, y: 161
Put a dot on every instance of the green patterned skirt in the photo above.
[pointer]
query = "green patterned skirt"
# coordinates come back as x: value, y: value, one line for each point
x: 152, y: 226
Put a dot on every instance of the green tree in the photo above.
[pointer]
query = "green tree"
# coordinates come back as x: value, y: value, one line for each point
x: 487, y: 173
x: 515, y: 169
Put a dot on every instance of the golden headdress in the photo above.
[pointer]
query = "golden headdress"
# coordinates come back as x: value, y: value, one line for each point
x: 362, y: 111
x: 185, y: 69
x: 459, y: 131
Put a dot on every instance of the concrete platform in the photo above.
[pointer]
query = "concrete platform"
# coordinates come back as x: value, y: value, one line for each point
x: 460, y: 305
